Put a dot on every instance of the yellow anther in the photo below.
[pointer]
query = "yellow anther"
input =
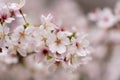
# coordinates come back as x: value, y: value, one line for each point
x: 46, y: 25
x: 43, y: 38
x: 2, y: 35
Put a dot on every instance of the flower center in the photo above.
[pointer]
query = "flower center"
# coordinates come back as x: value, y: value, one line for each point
x: 2, y: 35
x: 77, y: 45
x: 12, y: 13
x: 46, y: 25
x: 4, y: 16
x: 45, y: 51
x: 44, y: 39
x: 22, y: 35
x: 58, y: 41
x: 0, y: 49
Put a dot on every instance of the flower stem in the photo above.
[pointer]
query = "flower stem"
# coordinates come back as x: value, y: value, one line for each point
x: 22, y: 15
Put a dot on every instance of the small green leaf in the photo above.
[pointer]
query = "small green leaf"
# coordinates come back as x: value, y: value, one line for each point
x: 49, y: 57
x: 73, y: 35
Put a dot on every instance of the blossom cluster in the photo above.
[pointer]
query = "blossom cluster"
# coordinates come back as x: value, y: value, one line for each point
x: 106, y: 17
x: 49, y: 43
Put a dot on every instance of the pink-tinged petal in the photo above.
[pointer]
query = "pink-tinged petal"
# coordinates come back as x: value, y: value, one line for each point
x: 9, y: 20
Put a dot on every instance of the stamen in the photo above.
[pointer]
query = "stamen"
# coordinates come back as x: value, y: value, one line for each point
x: 2, y: 35
x: 58, y: 41
x: 22, y: 35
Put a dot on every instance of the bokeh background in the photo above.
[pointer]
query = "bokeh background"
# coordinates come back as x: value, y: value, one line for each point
x: 105, y: 63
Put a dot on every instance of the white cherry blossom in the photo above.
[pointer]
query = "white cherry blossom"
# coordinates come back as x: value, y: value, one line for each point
x: 80, y: 45
x: 59, y: 42
x: 106, y: 18
x: 47, y: 22
x: 48, y: 43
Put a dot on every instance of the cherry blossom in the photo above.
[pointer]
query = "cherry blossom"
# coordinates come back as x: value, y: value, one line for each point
x: 94, y: 16
x: 5, y: 15
x: 47, y: 22
x: 15, y: 8
x: 48, y: 43
x: 106, y: 19
x: 59, y: 42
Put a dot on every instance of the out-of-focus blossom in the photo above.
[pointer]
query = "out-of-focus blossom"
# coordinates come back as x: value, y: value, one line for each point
x: 93, y: 16
x: 114, y: 36
x: 106, y: 19
x: 103, y: 18
x: 117, y: 11
x: 8, y: 59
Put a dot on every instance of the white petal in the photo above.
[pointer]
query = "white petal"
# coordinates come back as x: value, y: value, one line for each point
x: 65, y: 41
x: 52, y: 48
x: 22, y: 52
x: 82, y: 52
x: 61, y: 49
x: 43, y: 19
x: 49, y: 17
x: 60, y: 35
x: 16, y: 6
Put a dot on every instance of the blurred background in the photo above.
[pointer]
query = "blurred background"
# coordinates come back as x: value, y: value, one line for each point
x: 72, y: 15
